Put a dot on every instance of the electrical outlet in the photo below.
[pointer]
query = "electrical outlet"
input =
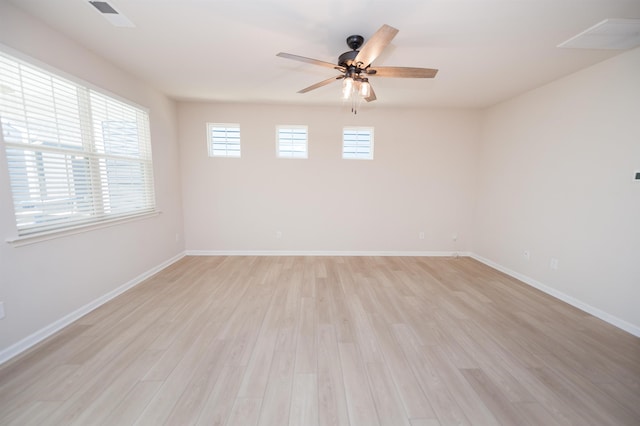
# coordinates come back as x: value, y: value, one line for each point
x: 1, y: 310
x: 553, y: 264
x: 454, y: 237
x: 279, y: 235
x: 421, y: 235
x: 526, y: 255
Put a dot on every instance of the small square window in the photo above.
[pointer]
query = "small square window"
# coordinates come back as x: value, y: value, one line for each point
x: 292, y: 141
x: 223, y: 139
x: 357, y: 143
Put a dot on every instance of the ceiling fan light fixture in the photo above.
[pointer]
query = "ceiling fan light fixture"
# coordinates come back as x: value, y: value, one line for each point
x: 365, y: 88
x: 347, y: 87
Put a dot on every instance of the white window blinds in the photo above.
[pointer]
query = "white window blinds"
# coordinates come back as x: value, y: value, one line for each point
x: 357, y: 143
x: 292, y: 141
x: 223, y: 139
x: 75, y: 156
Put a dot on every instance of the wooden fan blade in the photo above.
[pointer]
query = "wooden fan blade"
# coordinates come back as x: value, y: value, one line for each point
x: 375, y: 45
x: 320, y: 84
x: 309, y: 60
x: 403, y: 72
x: 372, y: 94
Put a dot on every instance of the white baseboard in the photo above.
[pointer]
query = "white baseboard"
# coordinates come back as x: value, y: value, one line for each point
x: 324, y: 253
x: 49, y: 330
x: 613, y: 320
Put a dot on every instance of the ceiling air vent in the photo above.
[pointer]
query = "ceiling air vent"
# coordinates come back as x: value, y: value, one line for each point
x: 609, y: 34
x: 111, y: 14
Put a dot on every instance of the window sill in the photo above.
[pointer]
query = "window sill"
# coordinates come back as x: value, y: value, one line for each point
x: 46, y: 236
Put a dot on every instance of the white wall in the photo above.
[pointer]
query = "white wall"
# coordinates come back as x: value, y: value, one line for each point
x: 556, y: 178
x: 43, y: 282
x: 421, y: 179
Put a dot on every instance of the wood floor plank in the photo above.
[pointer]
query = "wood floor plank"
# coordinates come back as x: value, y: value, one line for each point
x: 413, y: 399
x: 388, y: 401
x: 444, y: 405
x: 34, y: 414
x: 340, y: 341
x: 164, y: 401
x: 331, y: 394
x: 277, y: 398
x: 493, y: 362
x: 176, y: 352
x: 342, y: 319
x: 222, y: 401
x: 204, y: 379
x: 133, y: 404
x: 304, y: 401
x: 535, y: 414
x: 256, y: 373
x: 365, y: 337
x: 306, y: 350
x: 583, y: 394
x: 57, y: 384
x: 360, y: 404
x: 424, y: 422
x: 102, y: 371
x: 112, y: 395
x: 245, y: 412
x: 621, y: 392
x: 59, y: 349
x: 565, y: 397
x: 492, y: 397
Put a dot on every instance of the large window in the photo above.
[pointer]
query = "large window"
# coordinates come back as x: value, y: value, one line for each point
x: 75, y: 155
x: 292, y: 141
x: 223, y: 139
x: 357, y: 143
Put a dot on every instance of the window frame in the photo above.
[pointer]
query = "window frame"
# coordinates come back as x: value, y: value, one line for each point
x: 110, y: 155
x: 279, y: 151
x: 357, y: 130
x: 227, y: 127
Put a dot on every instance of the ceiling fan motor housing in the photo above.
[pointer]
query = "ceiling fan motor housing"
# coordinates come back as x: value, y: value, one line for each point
x: 347, y: 58
x: 355, y: 41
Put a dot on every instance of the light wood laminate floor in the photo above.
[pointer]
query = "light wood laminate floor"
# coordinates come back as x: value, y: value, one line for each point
x: 328, y: 341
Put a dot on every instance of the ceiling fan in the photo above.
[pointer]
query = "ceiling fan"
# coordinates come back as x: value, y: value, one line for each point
x: 355, y: 66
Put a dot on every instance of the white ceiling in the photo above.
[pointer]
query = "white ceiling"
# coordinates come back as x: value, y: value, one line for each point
x: 486, y: 50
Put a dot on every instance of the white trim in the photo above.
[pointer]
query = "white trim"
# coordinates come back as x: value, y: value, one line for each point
x: 280, y: 127
x: 79, y: 229
x: 611, y: 319
x: 357, y: 129
x: 226, y: 126
x: 43, y: 333
x: 324, y: 253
